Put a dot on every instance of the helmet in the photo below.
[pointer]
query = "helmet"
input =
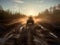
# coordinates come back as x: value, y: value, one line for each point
x: 30, y: 20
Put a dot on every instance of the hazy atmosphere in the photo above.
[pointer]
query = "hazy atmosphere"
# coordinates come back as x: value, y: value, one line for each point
x: 28, y: 7
x: 29, y: 22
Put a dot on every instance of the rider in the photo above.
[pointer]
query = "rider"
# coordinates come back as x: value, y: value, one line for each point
x: 30, y: 20
x: 30, y: 28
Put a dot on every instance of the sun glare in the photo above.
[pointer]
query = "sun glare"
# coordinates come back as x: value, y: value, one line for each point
x: 31, y: 13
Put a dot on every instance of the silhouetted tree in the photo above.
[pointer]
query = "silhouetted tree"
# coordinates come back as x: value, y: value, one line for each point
x: 1, y: 8
x: 51, y: 10
x: 58, y: 6
x: 46, y: 12
x: 52, y: 14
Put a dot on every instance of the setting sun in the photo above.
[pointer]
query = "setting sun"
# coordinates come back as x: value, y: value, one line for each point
x: 31, y: 13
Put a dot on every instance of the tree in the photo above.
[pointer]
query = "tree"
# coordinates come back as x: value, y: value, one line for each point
x: 46, y: 12
x: 58, y: 6
x: 51, y: 9
x: 1, y: 8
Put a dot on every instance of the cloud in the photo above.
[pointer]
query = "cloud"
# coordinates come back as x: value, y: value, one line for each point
x: 40, y: 1
x: 15, y: 9
x: 18, y: 1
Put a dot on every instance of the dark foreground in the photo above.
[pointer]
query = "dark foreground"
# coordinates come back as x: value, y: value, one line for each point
x: 30, y: 34
x: 34, y: 35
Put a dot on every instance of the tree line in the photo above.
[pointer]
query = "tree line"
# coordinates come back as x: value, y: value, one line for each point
x: 7, y: 16
x: 53, y: 14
